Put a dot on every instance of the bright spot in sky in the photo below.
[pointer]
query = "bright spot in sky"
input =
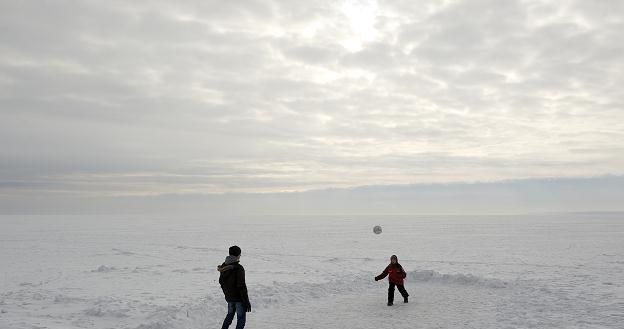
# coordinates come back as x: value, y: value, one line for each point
x: 361, y: 15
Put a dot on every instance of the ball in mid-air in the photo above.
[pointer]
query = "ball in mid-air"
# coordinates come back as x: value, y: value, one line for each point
x: 377, y: 229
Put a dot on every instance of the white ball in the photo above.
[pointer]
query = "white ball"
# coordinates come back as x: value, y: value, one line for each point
x: 377, y: 229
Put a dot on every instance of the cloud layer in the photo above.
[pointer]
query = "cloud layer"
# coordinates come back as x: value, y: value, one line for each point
x: 122, y: 98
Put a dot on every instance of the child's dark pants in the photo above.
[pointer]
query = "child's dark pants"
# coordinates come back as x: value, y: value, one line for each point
x: 391, y: 292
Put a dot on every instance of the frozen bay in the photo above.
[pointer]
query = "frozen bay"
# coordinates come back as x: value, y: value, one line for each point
x: 529, y: 271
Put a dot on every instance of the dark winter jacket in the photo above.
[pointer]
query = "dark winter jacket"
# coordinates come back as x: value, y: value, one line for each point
x: 395, y: 274
x: 232, y: 281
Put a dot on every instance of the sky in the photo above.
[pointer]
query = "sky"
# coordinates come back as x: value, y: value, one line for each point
x: 114, y: 99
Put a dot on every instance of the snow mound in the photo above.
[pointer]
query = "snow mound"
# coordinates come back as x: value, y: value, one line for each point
x: 462, y: 279
x: 108, y: 307
x: 104, y: 269
x: 62, y: 299
x: 106, y: 312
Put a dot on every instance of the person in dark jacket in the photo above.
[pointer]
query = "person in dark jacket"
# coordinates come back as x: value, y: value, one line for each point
x: 232, y: 281
x: 395, y: 274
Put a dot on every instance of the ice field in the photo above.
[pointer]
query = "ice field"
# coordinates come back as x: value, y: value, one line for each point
x: 530, y: 271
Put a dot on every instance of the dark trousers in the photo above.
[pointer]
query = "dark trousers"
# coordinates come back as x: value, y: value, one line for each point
x: 239, y: 309
x: 391, y: 292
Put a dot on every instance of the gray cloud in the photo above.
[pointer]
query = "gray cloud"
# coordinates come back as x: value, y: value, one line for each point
x: 125, y: 98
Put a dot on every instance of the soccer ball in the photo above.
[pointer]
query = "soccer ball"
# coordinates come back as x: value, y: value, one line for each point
x: 377, y: 229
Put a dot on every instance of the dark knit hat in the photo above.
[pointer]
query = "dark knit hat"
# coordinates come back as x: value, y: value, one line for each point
x: 395, y: 257
x: 235, y: 251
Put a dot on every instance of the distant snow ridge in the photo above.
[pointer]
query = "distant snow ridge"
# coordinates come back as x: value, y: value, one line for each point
x: 284, y: 292
x: 104, y: 269
x: 463, y: 279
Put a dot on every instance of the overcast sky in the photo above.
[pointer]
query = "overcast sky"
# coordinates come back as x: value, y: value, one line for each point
x: 135, y: 98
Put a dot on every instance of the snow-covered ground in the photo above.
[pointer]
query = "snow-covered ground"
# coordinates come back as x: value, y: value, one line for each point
x: 538, y: 271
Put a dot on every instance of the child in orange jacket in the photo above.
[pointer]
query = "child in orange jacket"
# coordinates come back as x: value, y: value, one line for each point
x: 395, y: 274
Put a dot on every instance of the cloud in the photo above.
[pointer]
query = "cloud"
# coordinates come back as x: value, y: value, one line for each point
x: 125, y: 98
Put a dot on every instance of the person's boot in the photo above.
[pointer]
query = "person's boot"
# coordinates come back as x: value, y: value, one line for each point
x: 404, y: 299
x: 389, y: 303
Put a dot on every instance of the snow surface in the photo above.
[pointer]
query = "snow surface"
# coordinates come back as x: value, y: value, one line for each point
x: 538, y: 271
